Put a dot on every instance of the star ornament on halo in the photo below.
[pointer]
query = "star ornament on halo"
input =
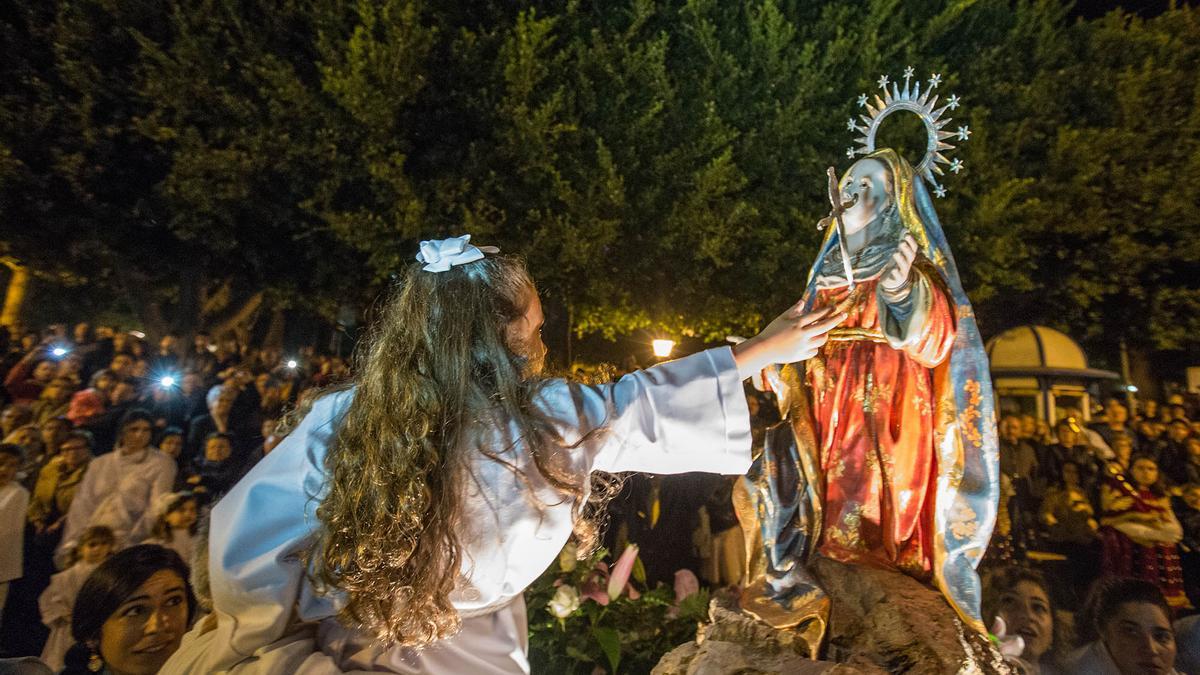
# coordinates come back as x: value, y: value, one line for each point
x: 924, y: 104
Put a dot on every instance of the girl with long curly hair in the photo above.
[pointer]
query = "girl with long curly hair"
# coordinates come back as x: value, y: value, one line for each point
x: 396, y: 527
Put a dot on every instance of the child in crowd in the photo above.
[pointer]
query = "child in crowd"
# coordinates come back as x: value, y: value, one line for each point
x: 14, y: 502
x: 170, y: 443
x: 1139, y: 531
x: 58, y: 601
x: 216, y: 473
x: 176, y: 527
x: 89, y: 404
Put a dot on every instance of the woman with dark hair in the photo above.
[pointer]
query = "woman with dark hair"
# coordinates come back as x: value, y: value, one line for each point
x: 131, y: 613
x: 1021, y: 597
x: 1070, y: 524
x: 408, y: 510
x: 1133, y: 623
x: 1139, y: 532
x: 120, y: 486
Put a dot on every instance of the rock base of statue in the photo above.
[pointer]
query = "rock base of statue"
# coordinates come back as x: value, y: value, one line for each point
x: 881, y: 621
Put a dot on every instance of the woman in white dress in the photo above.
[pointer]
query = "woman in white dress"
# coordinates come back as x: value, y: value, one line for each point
x: 396, y: 527
x: 119, y: 488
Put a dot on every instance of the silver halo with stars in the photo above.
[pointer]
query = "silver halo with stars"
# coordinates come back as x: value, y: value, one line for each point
x: 925, y: 106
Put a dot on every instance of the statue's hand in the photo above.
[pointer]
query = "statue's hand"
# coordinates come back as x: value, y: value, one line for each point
x: 895, y: 281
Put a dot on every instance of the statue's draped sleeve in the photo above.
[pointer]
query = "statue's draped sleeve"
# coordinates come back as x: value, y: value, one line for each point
x: 921, y: 324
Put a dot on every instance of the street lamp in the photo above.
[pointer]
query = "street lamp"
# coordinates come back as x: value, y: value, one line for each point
x: 663, y: 348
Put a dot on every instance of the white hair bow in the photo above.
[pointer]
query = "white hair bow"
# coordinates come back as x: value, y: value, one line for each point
x: 440, y: 255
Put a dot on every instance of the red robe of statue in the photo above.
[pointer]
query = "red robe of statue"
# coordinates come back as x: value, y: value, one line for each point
x: 873, y: 414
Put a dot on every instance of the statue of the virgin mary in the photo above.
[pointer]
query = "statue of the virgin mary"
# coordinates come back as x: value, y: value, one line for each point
x: 887, y: 455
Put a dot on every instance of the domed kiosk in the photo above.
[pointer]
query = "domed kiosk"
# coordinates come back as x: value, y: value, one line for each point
x: 1040, y: 371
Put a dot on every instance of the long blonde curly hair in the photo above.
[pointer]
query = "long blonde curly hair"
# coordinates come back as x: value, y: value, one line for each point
x: 436, y: 364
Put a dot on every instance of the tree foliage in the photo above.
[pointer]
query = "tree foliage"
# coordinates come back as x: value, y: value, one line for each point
x: 659, y: 163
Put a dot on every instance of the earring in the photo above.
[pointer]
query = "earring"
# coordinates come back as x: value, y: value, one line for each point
x: 95, y: 663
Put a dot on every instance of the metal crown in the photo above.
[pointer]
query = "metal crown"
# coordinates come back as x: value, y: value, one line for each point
x: 924, y: 105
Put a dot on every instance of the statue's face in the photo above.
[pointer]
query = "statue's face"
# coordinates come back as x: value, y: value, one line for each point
x: 870, y: 181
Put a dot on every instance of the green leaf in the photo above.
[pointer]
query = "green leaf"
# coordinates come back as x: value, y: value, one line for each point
x: 610, y: 642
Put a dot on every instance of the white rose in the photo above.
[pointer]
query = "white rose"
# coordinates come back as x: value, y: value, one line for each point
x: 565, y: 601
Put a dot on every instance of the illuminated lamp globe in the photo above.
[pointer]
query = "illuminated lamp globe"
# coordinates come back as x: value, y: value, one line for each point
x: 663, y: 348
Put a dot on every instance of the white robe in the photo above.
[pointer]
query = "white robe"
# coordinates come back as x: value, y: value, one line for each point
x: 14, y: 504
x: 56, y: 604
x: 180, y: 541
x: 685, y: 415
x: 117, y: 491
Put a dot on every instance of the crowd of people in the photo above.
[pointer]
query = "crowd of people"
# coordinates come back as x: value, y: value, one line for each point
x: 1117, y: 498
x: 1125, y: 627
x: 111, y: 446
x: 113, y: 450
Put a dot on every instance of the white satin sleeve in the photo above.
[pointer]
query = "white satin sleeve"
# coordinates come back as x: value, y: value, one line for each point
x: 684, y: 415
x: 257, y: 533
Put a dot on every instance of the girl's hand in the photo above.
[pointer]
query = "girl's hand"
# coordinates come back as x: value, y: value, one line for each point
x: 791, y: 337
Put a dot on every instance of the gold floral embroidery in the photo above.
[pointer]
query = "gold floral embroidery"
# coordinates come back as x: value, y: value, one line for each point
x: 845, y: 532
x: 822, y: 384
x: 964, y: 522
x: 969, y: 417
x: 837, y: 471
x: 964, y: 530
x: 871, y: 395
x: 922, y: 404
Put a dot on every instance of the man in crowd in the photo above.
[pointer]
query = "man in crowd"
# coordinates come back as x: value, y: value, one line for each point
x: 1116, y: 423
x: 201, y: 359
x: 1018, y: 462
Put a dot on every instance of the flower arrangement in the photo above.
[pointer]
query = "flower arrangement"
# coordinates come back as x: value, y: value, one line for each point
x: 587, y: 618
